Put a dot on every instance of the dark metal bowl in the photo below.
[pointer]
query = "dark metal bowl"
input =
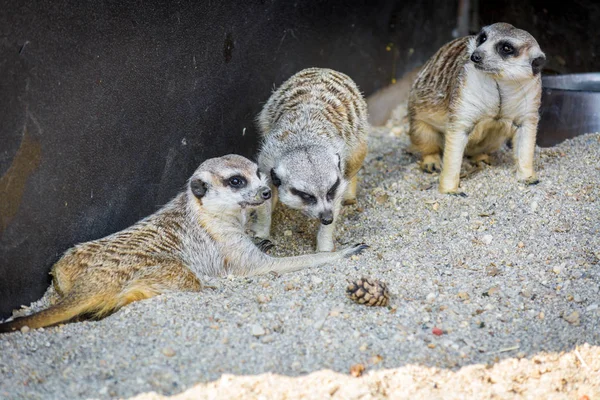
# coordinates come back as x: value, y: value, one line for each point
x: 570, y: 107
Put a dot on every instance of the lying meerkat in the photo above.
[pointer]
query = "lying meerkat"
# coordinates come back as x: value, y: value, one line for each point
x: 314, y: 130
x: 200, y: 232
x: 472, y: 96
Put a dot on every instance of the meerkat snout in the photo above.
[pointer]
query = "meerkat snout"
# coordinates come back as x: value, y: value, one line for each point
x: 326, y: 217
x: 476, y: 57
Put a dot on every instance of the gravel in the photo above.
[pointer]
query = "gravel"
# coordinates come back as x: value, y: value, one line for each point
x: 495, y: 294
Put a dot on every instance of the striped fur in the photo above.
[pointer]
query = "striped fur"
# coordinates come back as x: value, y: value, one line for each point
x: 314, y: 131
x: 191, y: 236
x: 460, y: 107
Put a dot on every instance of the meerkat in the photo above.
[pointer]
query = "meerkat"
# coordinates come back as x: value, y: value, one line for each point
x: 314, y: 141
x: 200, y: 232
x: 472, y: 96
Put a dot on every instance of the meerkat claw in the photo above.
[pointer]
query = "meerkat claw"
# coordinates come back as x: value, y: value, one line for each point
x: 265, y: 245
x: 531, y: 181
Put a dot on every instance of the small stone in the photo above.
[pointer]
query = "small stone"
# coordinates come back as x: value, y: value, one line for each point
x: 572, y: 318
x: 357, y: 370
x: 268, y: 339
x: 257, y: 330
x: 169, y: 352
x: 521, y: 245
x: 25, y: 329
x: 316, y: 280
x: 492, y: 270
x: 103, y: 391
x: 430, y: 297
x: 463, y: 295
x: 437, y: 331
x: 435, y: 206
x: 534, y: 206
x: 289, y: 286
x: 492, y: 290
x: 541, y: 315
x: 263, y: 298
x: 426, y: 318
x: 577, y: 298
x: 557, y: 269
x: 431, y: 346
x: 592, y: 307
x: 487, y: 239
x: 376, y: 359
x: 363, y: 347
x: 287, y: 233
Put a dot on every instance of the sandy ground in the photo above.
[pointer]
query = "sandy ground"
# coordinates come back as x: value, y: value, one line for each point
x: 509, y: 276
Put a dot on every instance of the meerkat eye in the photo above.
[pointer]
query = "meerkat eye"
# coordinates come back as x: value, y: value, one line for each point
x: 308, y: 198
x: 481, y: 39
x: 507, y: 48
x: 237, y: 181
x: 331, y: 193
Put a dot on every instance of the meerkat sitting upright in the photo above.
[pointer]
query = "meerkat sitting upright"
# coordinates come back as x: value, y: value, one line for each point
x: 472, y: 96
x: 314, y: 131
x: 200, y: 232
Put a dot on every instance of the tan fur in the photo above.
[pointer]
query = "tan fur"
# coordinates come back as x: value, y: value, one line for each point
x: 200, y: 232
x: 458, y: 107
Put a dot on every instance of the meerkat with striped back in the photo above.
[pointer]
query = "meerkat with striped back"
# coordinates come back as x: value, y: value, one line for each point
x: 200, y: 232
x: 314, y: 141
x: 472, y: 96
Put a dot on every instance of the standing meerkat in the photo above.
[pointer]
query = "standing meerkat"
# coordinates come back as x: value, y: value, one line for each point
x: 473, y: 95
x: 200, y: 232
x: 314, y: 141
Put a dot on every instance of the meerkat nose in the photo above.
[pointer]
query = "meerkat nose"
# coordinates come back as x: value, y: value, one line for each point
x: 476, y: 57
x: 265, y: 193
x: 326, y: 217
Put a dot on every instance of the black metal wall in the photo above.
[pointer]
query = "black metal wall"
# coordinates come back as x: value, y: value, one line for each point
x: 106, y: 107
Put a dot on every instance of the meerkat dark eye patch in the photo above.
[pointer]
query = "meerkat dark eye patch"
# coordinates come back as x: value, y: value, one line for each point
x: 274, y: 178
x: 198, y: 187
x: 481, y: 38
x: 331, y: 192
x: 307, y: 198
x: 537, y: 64
x: 236, y: 182
x: 506, y: 49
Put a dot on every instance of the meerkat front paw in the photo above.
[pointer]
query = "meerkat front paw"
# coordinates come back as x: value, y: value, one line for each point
x: 456, y: 192
x: 355, y: 250
x: 264, y: 244
x: 532, y: 180
x: 431, y: 163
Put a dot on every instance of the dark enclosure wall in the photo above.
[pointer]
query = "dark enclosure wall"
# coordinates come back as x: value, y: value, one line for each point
x: 108, y: 106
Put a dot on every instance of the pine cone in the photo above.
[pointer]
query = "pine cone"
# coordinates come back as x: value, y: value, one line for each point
x: 370, y: 292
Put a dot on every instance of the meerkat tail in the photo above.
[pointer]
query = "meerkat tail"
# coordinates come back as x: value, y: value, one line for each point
x: 80, y: 302
x: 66, y: 309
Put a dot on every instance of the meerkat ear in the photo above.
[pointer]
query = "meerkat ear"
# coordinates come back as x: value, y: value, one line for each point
x: 274, y: 178
x: 198, y: 187
x: 537, y: 64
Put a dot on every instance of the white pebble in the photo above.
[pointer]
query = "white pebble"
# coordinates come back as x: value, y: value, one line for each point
x: 534, y: 206
x: 592, y: 307
x: 430, y: 297
x: 487, y: 239
x: 287, y: 233
x: 257, y: 330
